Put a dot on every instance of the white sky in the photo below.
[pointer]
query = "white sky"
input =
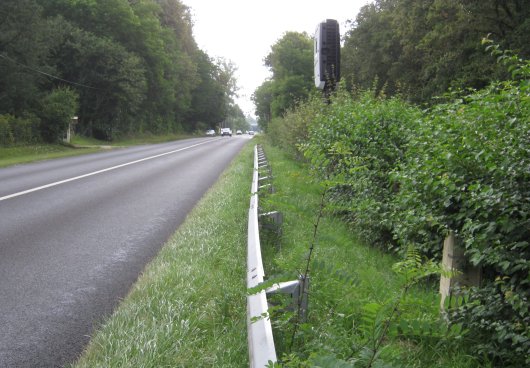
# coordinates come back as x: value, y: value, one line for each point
x: 243, y: 31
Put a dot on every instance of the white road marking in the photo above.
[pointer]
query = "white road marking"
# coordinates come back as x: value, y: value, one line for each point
x: 96, y: 172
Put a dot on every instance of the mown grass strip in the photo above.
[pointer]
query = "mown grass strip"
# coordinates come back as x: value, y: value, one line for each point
x: 79, y: 146
x: 188, y: 308
x: 24, y: 154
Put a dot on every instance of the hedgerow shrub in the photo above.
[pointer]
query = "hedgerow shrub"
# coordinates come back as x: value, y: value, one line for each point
x: 6, y: 136
x: 58, y: 107
x: 18, y: 130
x: 467, y: 170
x: 291, y: 130
x: 25, y: 129
x: 356, y: 144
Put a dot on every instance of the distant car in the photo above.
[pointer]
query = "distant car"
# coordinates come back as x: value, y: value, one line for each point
x: 251, y: 132
x: 210, y: 132
x: 239, y: 132
x: 226, y: 131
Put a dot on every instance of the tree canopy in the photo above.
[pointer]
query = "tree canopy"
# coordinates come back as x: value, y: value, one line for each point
x: 132, y: 66
x: 420, y: 48
x: 291, y: 64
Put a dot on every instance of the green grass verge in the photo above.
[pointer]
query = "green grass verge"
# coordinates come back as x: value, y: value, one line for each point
x: 23, y: 154
x: 79, y: 145
x: 188, y: 308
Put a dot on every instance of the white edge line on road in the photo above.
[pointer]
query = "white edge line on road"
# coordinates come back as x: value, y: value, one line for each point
x: 96, y: 172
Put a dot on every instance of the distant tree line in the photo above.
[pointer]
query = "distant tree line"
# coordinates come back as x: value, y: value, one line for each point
x: 415, y: 48
x: 291, y: 64
x: 122, y: 66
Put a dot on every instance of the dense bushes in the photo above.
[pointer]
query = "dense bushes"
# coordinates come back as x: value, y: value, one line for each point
x: 58, y: 107
x: 401, y: 176
x: 16, y: 130
x: 356, y: 144
x: 467, y: 170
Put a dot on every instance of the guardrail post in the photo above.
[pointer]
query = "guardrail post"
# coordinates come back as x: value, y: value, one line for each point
x: 275, y: 216
x: 298, y: 289
x: 275, y: 221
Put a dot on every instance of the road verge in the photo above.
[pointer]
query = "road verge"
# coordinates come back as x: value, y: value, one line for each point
x: 188, y: 308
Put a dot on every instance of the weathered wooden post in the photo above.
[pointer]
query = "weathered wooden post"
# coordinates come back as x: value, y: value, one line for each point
x: 70, y: 129
x: 464, y: 273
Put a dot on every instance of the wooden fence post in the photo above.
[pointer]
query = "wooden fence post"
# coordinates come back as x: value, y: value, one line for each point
x: 454, y: 260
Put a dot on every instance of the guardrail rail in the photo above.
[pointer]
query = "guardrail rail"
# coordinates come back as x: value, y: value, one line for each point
x: 260, y: 338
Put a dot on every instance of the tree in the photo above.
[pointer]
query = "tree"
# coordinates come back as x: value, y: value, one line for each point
x: 236, y: 119
x: 262, y: 98
x: 134, y: 65
x: 291, y: 64
x: 25, y: 40
x: 112, y: 82
x: 291, y: 55
x: 137, y: 28
x: 58, y: 108
x: 421, y: 48
x: 371, y: 48
x: 208, y: 98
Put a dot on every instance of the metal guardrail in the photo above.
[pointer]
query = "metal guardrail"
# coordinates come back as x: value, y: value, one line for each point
x: 260, y: 339
x: 259, y: 330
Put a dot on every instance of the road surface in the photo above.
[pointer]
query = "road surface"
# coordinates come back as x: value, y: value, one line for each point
x: 75, y: 233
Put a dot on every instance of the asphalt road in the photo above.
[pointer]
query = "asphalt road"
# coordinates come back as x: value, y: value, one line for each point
x: 75, y: 233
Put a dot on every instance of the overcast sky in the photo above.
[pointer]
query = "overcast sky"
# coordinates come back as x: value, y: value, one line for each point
x: 243, y: 31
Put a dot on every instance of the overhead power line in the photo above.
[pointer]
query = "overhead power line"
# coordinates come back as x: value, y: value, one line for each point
x: 46, y: 74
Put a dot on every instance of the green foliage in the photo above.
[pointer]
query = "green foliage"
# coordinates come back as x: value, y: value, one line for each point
x: 419, y: 48
x: 58, y: 108
x: 26, y: 37
x: 291, y: 64
x: 356, y: 144
x: 402, y: 177
x: 25, y: 129
x: 6, y: 136
x: 134, y: 65
x: 363, y: 311
x: 291, y: 130
x: 467, y: 171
